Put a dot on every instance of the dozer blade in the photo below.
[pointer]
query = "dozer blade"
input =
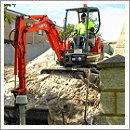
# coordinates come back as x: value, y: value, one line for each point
x: 71, y: 72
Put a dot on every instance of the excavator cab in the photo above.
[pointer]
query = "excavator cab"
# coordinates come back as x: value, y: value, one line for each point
x: 80, y: 52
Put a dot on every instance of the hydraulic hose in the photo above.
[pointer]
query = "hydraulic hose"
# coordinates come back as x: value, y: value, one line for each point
x: 10, y: 37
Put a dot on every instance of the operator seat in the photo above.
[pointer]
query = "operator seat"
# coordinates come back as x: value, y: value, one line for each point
x: 78, y: 42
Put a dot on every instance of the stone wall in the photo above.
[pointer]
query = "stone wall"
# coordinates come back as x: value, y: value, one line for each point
x: 112, y: 91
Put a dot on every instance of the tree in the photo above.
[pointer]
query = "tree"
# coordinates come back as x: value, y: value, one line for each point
x: 7, y: 17
x: 69, y: 28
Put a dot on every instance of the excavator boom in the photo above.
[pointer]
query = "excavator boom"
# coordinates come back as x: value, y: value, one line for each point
x: 67, y: 56
x: 21, y: 30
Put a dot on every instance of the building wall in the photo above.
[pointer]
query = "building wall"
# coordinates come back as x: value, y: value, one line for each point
x: 124, y: 36
x: 33, y: 50
x: 32, y: 38
x: 120, y: 48
x: 36, y: 43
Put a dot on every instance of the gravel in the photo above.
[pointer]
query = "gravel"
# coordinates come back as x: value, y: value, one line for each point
x: 65, y: 96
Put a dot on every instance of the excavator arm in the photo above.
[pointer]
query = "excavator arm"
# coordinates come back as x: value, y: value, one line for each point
x: 21, y: 30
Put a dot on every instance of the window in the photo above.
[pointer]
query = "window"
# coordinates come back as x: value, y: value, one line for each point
x: 13, y: 24
x: 40, y: 32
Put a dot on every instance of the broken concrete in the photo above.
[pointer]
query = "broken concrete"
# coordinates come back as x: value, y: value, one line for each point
x: 65, y: 96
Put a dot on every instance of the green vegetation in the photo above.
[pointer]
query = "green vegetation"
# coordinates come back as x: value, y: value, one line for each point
x: 7, y: 17
x: 110, y: 53
x: 70, y: 29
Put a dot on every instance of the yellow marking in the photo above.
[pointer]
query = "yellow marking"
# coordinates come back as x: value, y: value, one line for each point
x: 93, y: 56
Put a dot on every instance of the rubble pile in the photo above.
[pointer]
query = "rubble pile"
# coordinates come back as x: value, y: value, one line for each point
x: 71, y: 101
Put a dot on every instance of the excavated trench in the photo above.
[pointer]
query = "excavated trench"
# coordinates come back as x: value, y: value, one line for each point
x: 61, y: 99
x: 34, y: 116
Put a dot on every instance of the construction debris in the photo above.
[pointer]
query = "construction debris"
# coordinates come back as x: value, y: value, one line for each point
x: 70, y: 101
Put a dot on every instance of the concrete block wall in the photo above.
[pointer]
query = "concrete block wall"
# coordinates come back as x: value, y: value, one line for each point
x: 33, y: 51
x: 112, y: 91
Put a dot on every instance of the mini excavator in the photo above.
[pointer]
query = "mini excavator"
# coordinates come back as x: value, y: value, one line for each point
x: 68, y: 56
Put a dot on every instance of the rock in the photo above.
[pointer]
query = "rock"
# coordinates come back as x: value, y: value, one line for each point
x: 65, y: 96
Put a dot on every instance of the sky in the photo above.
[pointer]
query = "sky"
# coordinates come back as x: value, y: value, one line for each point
x: 112, y: 13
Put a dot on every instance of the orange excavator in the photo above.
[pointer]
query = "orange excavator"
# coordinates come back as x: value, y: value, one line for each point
x: 68, y: 54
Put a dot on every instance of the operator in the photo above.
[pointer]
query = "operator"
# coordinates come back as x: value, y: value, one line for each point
x: 81, y: 31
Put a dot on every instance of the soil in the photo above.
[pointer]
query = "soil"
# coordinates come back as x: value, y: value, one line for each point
x: 64, y: 95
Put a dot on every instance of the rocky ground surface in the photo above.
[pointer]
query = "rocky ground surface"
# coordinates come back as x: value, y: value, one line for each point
x: 65, y: 96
